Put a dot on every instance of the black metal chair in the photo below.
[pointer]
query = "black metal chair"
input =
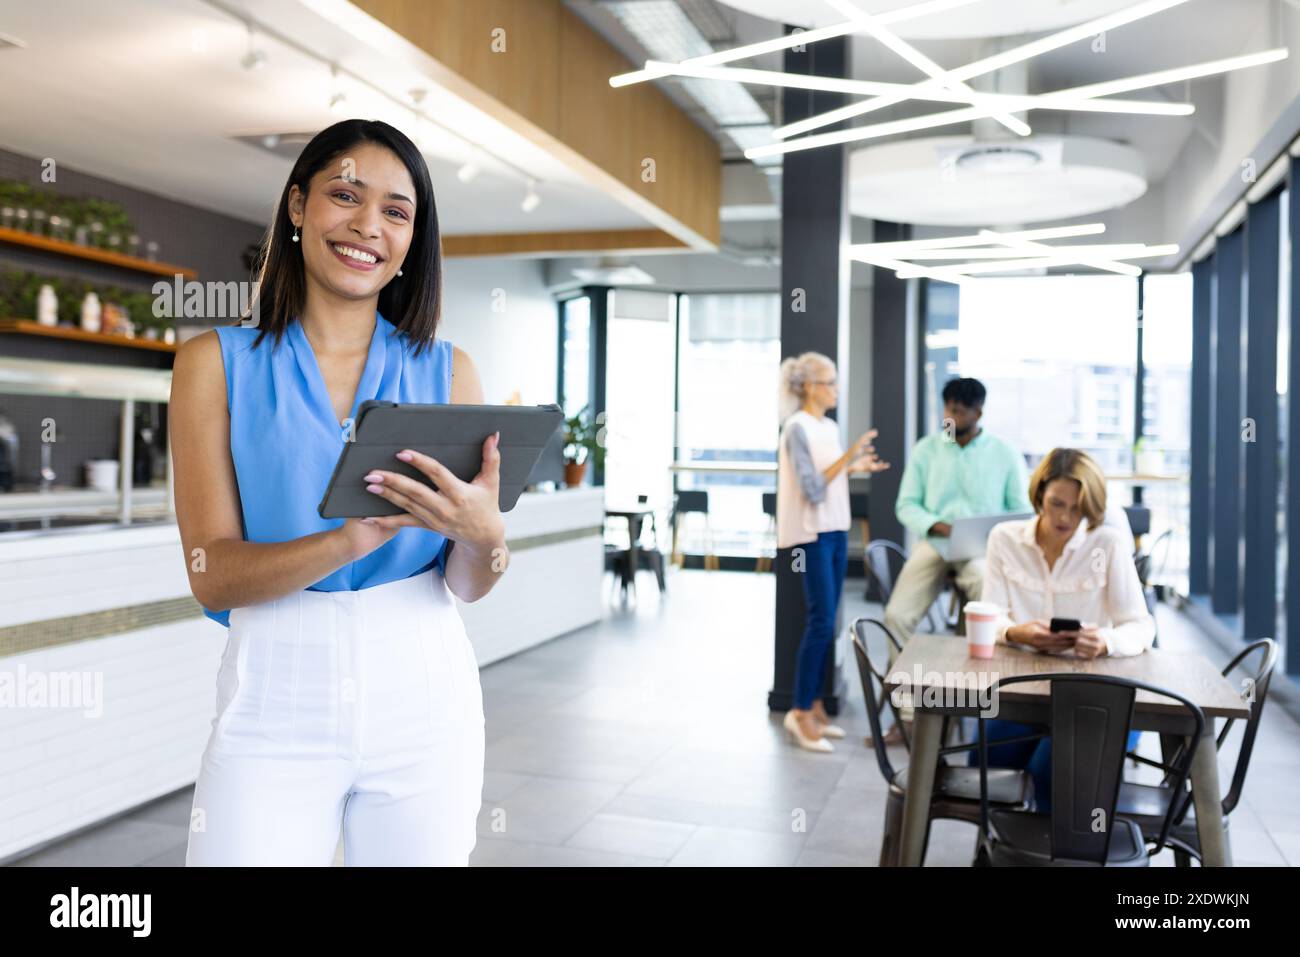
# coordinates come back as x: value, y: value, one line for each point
x: 1147, y: 804
x: 687, y: 502
x: 1149, y: 595
x: 619, y: 560
x: 956, y: 789
x: 1151, y: 562
x: 1139, y: 519
x: 882, y: 560
x: 1091, y: 719
x: 860, y: 512
x: 650, y: 558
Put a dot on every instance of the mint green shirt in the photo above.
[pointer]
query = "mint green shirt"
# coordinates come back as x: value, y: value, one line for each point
x: 944, y: 481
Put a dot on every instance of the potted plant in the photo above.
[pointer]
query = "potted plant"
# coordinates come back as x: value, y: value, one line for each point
x: 1146, y: 460
x: 583, y: 440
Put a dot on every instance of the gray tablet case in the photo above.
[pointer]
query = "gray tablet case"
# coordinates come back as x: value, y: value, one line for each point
x: 452, y: 434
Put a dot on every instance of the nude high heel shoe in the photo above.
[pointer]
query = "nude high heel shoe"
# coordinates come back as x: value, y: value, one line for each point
x: 808, y: 744
x: 832, y: 731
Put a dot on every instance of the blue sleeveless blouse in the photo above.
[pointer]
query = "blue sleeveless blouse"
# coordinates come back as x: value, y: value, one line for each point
x: 285, y: 441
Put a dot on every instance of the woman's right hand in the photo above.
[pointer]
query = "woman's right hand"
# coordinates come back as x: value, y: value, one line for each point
x: 363, y: 537
x: 1038, y: 634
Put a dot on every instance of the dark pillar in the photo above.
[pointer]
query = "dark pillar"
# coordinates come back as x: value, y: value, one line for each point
x: 815, y: 282
x: 1292, y: 446
x: 1201, y: 427
x: 1225, y: 586
x: 1263, y: 222
x: 1139, y: 382
x: 892, y: 327
x: 599, y: 355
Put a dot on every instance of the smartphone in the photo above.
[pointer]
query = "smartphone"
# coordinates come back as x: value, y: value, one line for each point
x: 1064, y: 624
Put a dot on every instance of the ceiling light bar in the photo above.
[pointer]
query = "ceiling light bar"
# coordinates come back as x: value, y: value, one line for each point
x: 1176, y: 75
x: 874, y: 131
x: 795, y: 39
x: 1040, y: 101
x: 989, y: 64
x: 1067, y: 256
x: 871, y: 26
x: 1106, y: 250
x: 901, y: 247
x: 1007, y: 101
x: 884, y: 262
x: 1022, y: 245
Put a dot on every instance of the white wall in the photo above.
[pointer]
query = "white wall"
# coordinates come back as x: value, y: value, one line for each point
x: 498, y: 310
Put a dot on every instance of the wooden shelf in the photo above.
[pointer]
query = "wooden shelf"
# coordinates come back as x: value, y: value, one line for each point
x: 60, y: 247
x: 28, y: 327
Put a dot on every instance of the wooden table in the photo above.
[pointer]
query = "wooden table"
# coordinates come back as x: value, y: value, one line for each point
x: 944, y: 680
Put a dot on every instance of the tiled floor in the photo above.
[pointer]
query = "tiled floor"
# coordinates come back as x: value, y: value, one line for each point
x: 645, y: 740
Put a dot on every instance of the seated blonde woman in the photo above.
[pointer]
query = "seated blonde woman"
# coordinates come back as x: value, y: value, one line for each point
x: 1064, y: 563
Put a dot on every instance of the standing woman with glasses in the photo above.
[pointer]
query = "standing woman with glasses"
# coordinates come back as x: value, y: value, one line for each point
x: 812, y: 512
x: 348, y: 695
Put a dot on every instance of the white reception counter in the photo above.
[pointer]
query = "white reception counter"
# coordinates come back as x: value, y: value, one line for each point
x: 108, y: 668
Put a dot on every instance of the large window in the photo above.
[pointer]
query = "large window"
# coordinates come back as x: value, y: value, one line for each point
x: 942, y: 336
x: 1058, y: 355
x: 730, y: 355
x: 1166, y: 438
x: 639, y: 399
x: 576, y: 358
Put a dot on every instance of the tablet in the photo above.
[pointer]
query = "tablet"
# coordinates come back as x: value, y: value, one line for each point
x: 452, y: 434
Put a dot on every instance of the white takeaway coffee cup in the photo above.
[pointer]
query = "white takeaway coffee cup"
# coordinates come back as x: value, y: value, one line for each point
x: 981, y: 628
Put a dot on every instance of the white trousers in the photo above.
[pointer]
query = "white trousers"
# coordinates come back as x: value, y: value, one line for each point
x: 359, y: 710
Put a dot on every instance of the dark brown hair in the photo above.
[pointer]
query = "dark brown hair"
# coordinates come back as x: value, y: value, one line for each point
x: 413, y: 302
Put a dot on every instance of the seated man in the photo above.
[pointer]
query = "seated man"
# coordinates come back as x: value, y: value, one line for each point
x: 960, y: 472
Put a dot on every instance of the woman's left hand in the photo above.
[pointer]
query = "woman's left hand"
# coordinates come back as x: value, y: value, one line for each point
x: 1088, y: 643
x: 465, y: 512
x: 869, y: 462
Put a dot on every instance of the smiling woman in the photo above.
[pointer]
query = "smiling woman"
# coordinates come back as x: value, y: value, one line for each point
x: 356, y: 169
x: 335, y: 625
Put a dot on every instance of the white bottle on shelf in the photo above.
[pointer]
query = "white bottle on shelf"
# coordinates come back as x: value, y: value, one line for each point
x: 90, y: 313
x: 47, y: 307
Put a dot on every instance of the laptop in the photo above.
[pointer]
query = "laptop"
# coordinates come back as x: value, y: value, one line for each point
x: 970, y: 535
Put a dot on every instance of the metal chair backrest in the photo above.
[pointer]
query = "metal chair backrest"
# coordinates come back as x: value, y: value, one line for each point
x: 1139, y: 519
x: 691, y: 501
x: 1151, y: 562
x: 1091, y: 719
x: 873, y: 688
x: 884, y: 560
x: 1258, y: 693
x: 1149, y: 595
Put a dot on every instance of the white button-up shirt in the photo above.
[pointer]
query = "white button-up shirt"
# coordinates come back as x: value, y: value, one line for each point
x: 1094, y: 581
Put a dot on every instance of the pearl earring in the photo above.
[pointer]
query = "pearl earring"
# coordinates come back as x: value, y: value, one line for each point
x: 399, y: 272
x: 295, y: 234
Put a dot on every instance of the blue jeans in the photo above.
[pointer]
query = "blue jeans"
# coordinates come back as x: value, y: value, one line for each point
x: 1032, y: 756
x: 825, y: 562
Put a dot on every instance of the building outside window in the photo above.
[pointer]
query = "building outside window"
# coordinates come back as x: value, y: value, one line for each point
x: 730, y: 357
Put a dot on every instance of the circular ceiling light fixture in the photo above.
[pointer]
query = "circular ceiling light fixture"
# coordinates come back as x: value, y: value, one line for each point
x: 989, y: 18
x: 997, y: 158
x: 959, y: 181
